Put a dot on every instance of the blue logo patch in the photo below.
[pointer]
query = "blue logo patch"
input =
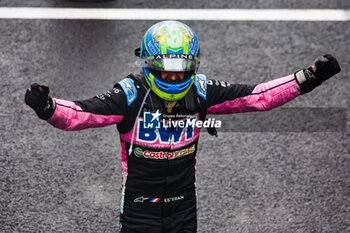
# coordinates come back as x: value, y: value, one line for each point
x: 130, y: 90
x: 201, y: 84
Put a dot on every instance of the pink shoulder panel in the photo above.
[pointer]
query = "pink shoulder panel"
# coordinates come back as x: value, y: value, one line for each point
x: 264, y: 97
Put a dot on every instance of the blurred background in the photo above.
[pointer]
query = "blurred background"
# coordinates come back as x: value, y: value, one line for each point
x: 266, y: 172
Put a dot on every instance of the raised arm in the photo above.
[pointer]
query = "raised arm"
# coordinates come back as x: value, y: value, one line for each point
x: 227, y: 98
x: 99, y: 111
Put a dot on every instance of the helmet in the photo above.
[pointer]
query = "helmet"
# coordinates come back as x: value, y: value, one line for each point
x: 169, y: 46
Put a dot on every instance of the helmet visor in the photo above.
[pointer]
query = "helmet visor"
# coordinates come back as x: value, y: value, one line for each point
x: 171, y: 62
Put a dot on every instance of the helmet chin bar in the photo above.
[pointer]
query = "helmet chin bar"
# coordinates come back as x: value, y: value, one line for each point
x: 172, y: 88
x: 168, y: 91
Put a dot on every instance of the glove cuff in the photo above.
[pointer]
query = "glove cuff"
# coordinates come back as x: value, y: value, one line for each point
x: 300, y: 77
x: 47, y: 112
x: 306, y: 80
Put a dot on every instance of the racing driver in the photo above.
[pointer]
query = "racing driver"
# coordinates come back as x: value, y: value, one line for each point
x: 159, y: 159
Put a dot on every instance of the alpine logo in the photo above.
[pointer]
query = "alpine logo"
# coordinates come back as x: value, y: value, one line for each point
x: 170, y: 56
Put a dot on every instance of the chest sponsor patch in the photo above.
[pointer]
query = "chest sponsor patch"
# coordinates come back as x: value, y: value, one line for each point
x: 139, y: 152
x: 153, y: 130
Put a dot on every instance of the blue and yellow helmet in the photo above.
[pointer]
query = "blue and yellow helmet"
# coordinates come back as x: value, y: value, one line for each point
x: 169, y: 46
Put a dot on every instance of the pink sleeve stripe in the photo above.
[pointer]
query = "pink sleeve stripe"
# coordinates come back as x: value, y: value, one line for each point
x: 68, y: 104
x: 124, y: 161
x: 264, y: 97
x: 69, y: 116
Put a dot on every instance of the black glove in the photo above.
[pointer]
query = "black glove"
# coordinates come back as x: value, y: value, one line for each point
x: 324, y: 67
x: 37, y: 97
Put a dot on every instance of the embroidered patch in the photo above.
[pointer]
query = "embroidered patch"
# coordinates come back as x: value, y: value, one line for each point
x: 130, y: 90
x: 201, y: 85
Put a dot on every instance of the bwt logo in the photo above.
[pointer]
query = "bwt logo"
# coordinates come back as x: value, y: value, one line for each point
x: 151, y: 120
x: 154, y: 130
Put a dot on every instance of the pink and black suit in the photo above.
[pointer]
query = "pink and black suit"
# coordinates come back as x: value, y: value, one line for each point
x: 159, y: 193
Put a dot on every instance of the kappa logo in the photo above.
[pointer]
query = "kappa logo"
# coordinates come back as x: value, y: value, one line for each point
x: 141, y: 199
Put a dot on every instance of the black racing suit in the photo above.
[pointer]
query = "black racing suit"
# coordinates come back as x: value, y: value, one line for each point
x: 159, y: 193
